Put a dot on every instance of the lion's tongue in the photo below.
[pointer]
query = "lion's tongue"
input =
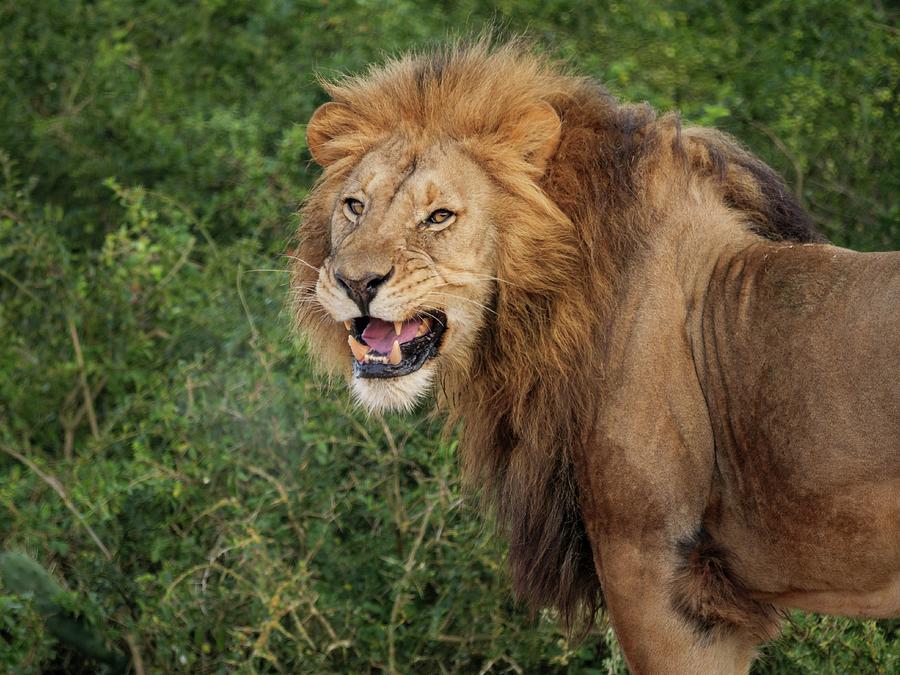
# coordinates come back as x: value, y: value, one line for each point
x: 380, y: 335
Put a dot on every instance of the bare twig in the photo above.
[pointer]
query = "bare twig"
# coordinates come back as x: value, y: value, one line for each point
x: 401, y: 588
x: 182, y: 260
x: 798, y: 170
x: 54, y: 483
x: 70, y: 424
x: 82, y: 375
x: 136, y: 659
x: 401, y: 519
x: 22, y: 287
x: 284, y: 498
x: 254, y: 332
x: 12, y: 215
x: 883, y: 26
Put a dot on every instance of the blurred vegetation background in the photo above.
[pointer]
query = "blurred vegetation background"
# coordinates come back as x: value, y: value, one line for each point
x: 194, y: 495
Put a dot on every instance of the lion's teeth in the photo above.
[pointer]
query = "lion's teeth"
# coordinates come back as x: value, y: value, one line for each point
x: 359, y: 350
x: 423, y: 328
x: 395, y: 356
x: 398, y: 326
x: 347, y: 325
x: 373, y: 358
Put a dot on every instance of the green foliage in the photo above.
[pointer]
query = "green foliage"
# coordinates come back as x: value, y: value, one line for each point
x: 24, y: 643
x: 151, y: 158
x: 59, y: 611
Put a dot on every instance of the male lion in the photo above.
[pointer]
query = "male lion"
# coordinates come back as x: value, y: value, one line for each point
x: 670, y: 388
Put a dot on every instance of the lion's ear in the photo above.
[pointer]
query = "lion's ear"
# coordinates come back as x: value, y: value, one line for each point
x: 329, y: 123
x: 537, y: 134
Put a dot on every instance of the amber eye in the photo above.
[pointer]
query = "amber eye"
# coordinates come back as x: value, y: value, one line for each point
x: 353, y: 208
x: 440, y: 217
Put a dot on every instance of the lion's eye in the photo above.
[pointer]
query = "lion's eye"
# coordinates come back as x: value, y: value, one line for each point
x: 353, y: 208
x: 440, y: 217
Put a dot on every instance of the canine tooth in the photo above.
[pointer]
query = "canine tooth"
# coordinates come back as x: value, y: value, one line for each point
x: 359, y: 350
x: 347, y: 325
x: 398, y: 326
x: 395, y: 357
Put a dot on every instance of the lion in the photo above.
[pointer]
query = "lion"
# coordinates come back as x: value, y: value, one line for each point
x: 681, y: 403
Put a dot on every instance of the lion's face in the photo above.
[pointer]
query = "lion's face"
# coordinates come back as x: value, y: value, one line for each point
x: 404, y: 236
x: 410, y: 271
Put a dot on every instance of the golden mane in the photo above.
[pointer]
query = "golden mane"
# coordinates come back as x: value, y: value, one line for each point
x: 527, y: 407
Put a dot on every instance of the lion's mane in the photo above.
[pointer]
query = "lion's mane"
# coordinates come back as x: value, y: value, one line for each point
x: 527, y: 408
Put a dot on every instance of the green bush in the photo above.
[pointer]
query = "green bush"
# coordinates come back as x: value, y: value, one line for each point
x: 153, y: 402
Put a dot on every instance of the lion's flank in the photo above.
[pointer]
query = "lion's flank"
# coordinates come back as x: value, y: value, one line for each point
x: 529, y: 404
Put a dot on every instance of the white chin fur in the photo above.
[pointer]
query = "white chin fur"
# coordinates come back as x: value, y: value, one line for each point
x: 395, y: 393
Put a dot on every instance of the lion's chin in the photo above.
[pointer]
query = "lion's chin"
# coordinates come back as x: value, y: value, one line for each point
x: 396, y: 393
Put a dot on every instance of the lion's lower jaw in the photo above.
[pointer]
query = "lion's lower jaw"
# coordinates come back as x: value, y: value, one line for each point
x: 396, y: 393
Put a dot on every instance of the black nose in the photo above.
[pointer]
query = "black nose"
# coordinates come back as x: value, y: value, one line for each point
x: 362, y: 291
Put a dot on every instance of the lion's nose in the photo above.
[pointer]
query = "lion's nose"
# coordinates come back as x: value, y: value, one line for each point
x: 362, y: 290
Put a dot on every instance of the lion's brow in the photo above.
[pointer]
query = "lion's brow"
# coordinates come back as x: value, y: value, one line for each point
x: 405, y: 176
x: 409, y: 170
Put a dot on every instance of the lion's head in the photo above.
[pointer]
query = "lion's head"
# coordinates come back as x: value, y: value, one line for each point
x: 407, y: 221
x: 475, y: 213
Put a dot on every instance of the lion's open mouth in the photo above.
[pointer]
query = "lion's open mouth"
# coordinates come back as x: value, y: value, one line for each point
x: 391, y: 349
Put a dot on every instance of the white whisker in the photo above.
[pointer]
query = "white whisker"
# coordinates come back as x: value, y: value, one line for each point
x: 426, y: 313
x: 300, y: 260
x: 474, y: 302
x: 476, y: 275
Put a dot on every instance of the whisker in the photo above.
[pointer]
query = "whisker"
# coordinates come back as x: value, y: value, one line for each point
x: 433, y: 276
x: 421, y: 253
x: 426, y: 313
x: 478, y: 275
x: 474, y: 302
x: 305, y: 296
x: 317, y: 312
x: 300, y: 260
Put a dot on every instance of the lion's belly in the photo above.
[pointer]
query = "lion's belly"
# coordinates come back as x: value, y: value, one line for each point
x: 836, y: 551
x: 882, y: 603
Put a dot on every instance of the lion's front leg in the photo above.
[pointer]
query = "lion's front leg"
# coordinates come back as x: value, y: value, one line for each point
x: 648, y: 478
x: 673, y: 611
x: 673, y: 600
x: 671, y: 595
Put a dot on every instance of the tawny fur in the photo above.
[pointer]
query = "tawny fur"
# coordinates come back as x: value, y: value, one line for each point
x: 572, y: 229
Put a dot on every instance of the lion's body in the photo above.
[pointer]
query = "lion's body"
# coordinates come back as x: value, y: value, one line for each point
x: 751, y: 392
x: 667, y: 385
x: 806, y: 430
